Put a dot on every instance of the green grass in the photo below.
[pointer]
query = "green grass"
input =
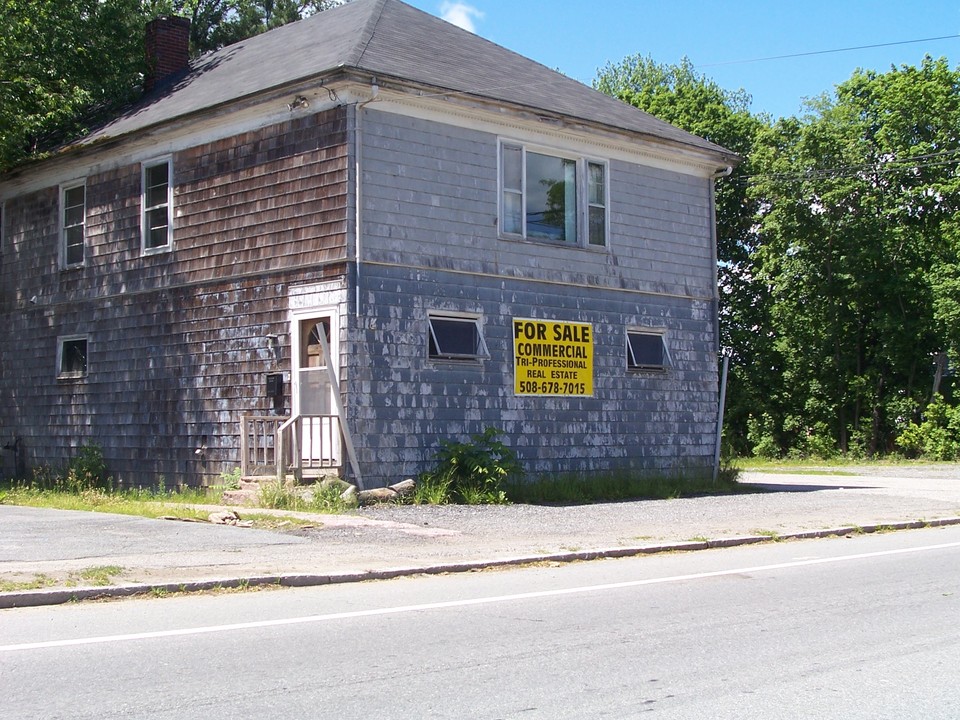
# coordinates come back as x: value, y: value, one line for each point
x: 617, y: 486
x: 318, y: 498
x: 795, y: 467
x: 149, y: 504
x: 99, y: 575
x: 38, y: 582
x: 771, y: 534
x: 833, y: 466
x: 128, y: 502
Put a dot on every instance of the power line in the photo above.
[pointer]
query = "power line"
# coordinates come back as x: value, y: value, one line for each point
x: 931, y: 160
x: 828, y: 52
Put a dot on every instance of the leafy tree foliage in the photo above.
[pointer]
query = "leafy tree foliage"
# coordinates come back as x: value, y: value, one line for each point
x: 839, y: 249
x: 64, y: 64
x: 216, y: 23
x: 61, y: 62
x: 859, y: 210
x: 683, y: 97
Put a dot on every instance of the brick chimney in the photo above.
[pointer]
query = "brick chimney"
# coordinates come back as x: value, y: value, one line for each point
x: 168, y: 49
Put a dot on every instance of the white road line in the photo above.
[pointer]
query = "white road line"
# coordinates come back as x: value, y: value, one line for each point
x: 459, y: 603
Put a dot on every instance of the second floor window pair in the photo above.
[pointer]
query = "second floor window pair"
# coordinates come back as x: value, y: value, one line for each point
x: 156, y: 215
x: 549, y: 197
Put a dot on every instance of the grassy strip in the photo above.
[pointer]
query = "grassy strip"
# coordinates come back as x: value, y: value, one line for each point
x: 614, y: 487
x: 835, y: 466
x: 96, y: 576
x: 128, y: 502
x: 142, y: 503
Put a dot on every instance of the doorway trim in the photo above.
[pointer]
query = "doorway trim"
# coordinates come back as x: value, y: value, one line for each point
x: 331, y: 351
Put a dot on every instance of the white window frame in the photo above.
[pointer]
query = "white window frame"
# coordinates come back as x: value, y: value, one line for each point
x: 72, y: 374
x: 480, y: 349
x: 64, y: 228
x: 583, y: 204
x: 631, y: 360
x: 145, y: 210
x: 590, y: 205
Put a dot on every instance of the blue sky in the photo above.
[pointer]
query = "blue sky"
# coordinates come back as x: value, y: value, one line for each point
x: 578, y: 37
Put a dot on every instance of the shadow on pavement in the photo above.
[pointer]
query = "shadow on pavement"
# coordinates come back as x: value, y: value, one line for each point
x: 783, y: 487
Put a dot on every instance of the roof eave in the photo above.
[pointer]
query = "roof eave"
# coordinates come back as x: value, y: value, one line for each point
x: 721, y: 155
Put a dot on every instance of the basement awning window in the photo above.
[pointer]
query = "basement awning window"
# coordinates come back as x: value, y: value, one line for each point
x: 456, y: 338
x: 646, y: 351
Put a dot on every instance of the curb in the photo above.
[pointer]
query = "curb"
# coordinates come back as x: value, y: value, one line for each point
x: 59, y: 596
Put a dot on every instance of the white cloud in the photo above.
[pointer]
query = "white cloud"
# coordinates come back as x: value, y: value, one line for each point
x: 461, y: 14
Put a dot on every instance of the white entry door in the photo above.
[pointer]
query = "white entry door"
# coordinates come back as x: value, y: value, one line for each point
x: 320, y: 436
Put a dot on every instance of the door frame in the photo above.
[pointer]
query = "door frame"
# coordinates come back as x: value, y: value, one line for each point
x: 296, y: 318
x: 333, y: 365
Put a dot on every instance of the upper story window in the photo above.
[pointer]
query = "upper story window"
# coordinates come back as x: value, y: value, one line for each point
x: 73, y: 214
x: 455, y: 338
x: 157, y: 204
x: 72, y: 356
x: 551, y: 197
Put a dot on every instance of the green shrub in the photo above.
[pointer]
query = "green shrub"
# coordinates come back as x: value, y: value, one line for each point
x: 761, y: 439
x: 230, y: 480
x: 86, y: 470
x: 470, y: 472
x: 818, y: 443
x: 936, y: 437
x: 279, y: 496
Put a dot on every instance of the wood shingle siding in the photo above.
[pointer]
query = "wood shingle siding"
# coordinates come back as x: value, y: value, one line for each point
x: 343, y: 172
x: 430, y: 199
x: 432, y: 245
x: 265, y: 200
x: 177, y: 341
x: 634, y: 420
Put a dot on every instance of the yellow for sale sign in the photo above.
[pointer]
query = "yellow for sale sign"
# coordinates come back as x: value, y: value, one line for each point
x: 552, y: 358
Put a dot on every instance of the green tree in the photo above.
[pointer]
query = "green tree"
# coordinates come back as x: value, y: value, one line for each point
x: 217, y: 23
x: 63, y: 63
x: 858, y: 218
x: 683, y: 97
x: 67, y: 64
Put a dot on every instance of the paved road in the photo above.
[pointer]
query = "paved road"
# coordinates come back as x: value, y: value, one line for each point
x: 385, y: 541
x: 855, y: 628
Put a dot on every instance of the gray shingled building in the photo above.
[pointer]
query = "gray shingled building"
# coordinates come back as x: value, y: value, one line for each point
x: 337, y: 243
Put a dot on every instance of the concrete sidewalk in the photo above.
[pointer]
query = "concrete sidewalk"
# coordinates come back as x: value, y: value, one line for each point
x: 60, y: 550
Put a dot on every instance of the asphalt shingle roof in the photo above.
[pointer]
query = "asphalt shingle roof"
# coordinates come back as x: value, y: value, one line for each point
x: 389, y: 39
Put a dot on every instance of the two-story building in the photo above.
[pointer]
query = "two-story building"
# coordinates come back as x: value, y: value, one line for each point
x: 348, y: 239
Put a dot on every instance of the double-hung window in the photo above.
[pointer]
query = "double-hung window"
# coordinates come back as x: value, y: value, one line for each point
x: 73, y: 211
x: 552, y: 197
x: 646, y: 351
x: 157, y: 204
x: 454, y: 337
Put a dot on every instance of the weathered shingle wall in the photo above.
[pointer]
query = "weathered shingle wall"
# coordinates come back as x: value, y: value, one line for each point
x: 430, y: 226
x: 430, y: 198
x: 177, y: 341
x: 406, y: 404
